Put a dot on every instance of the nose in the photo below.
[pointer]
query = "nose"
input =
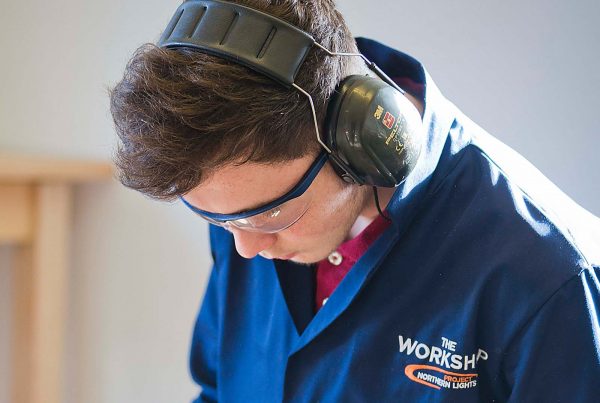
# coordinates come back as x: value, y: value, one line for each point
x: 249, y: 244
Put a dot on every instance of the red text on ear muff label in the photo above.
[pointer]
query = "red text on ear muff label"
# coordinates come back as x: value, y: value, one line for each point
x: 388, y: 120
x: 395, y: 136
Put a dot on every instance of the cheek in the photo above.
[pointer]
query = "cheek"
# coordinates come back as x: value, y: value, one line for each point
x: 310, y: 225
x: 339, y: 206
x: 326, y: 215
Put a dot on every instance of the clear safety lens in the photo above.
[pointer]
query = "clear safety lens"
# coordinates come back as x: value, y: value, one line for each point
x: 274, y: 220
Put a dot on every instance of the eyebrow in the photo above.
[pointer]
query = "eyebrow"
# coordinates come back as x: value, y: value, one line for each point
x: 254, y: 206
x: 296, y: 191
x: 260, y: 205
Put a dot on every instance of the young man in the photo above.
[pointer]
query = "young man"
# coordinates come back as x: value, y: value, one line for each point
x: 479, y: 281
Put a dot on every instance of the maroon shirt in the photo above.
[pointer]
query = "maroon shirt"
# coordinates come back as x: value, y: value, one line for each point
x: 331, y: 271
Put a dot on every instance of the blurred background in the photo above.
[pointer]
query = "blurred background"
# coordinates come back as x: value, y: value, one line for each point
x: 527, y: 71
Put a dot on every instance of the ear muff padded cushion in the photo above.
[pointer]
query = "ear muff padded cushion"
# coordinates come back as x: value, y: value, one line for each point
x: 333, y: 109
x: 340, y: 163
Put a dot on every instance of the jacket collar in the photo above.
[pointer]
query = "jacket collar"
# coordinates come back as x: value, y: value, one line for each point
x: 438, y: 118
x: 435, y: 157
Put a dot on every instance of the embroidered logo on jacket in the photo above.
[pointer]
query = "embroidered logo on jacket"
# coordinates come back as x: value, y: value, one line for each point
x: 451, y: 370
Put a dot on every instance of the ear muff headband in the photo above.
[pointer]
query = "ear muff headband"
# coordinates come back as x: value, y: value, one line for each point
x: 265, y: 44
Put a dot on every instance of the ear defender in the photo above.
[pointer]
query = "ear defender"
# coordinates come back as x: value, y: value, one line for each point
x: 375, y: 133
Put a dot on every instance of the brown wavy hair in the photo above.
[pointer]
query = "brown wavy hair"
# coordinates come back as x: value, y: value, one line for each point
x: 181, y: 114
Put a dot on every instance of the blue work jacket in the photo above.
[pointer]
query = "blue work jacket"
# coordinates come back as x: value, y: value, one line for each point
x: 484, y: 289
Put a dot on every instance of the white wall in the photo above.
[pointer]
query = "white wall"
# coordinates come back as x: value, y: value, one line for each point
x: 524, y: 70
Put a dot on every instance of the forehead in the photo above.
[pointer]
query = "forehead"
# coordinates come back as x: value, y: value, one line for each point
x: 236, y: 188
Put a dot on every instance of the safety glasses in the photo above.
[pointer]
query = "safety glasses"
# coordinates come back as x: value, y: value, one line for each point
x: 275, y: 216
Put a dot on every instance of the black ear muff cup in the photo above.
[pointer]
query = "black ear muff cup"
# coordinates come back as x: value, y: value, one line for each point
x: 369, y: 133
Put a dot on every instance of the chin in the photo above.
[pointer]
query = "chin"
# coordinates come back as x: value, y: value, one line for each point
x: 303, y: 259
x: 307, y: 259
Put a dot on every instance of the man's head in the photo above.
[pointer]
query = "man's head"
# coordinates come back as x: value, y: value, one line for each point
x: 182, y: 115
x: 227, y: 139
